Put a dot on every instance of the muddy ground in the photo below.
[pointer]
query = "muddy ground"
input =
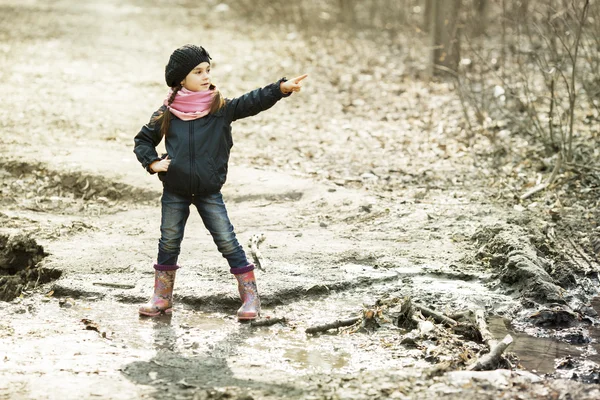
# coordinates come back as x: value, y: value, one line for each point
x: 363, y: 184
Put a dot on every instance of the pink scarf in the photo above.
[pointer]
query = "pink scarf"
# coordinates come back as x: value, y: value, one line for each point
x: 190, y: 105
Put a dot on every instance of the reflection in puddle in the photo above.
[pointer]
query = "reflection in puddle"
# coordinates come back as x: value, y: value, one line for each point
x: 315, y: 359
x: 537, y: 354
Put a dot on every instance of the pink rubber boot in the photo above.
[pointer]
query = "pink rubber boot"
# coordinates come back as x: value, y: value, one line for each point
x: 249, y: 294
x: 161, y: 301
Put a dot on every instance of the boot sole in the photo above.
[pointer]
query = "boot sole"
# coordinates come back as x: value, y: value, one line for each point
x: 247, y: 317
x: 156, y: 314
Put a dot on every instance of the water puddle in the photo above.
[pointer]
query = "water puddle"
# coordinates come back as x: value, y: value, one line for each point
x: 540, y: 354
x: 535, y: 354
x: 105, y: 344
x: 316, y: 359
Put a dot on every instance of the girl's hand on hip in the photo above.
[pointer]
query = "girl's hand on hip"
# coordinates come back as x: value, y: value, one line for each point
x: 292, y: 85
x: 161, y: 166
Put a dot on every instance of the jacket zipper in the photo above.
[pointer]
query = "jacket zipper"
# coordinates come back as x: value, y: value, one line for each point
x: 192, y: 157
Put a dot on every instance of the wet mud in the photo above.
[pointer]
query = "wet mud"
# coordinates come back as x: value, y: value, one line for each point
x: 208, y: 354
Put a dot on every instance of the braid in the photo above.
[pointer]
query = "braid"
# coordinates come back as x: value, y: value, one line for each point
x: 175, y: 90
x: 166, y: 115
x: 218, y: 100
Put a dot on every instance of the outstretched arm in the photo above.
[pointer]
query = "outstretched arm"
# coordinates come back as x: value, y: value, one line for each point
x: 262, y: 99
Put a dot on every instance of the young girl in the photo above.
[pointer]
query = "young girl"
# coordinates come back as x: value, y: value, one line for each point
x: 195, y: 121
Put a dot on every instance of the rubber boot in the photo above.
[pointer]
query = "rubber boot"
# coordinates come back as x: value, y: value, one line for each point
x: 249, y: 294
x: 161, y: 301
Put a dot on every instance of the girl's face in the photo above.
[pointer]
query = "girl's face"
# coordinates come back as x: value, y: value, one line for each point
x: 198, y: 79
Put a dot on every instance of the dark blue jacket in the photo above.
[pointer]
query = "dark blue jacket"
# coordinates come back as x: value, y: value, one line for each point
x: 199, y: 149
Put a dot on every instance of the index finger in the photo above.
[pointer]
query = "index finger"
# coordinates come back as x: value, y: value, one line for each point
x: 299, y: 78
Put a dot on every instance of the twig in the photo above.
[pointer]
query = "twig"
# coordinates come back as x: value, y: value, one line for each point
x: 37, y: 281
x: 254, y: 242
x: 534, y: 190
x: 551, y: 112
x: 332, y: 325
x: 114, y: 285
x: 573, y: 93
x: 427, y: 312
x: 269, y: 321
x: 486, y: 335
x: 550, y: 180
x: 488, y: 361
x: 187, y: 385
x: 589, y: 167
x: 587, y: 260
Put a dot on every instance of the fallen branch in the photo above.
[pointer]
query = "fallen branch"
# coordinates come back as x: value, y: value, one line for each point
x: 544, y: 185
x: 486, y: 335
x: 490, y: 360
x: 534, y: 190
x: 441, y: 318
x: 332, y: 325
x: 269, y: 321
x: 254, y: 242
x: 114, y: 285
x: 461, y: 315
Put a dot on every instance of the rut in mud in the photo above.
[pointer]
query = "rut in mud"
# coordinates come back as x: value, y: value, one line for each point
x: 34, y: 186
x: 19, y: 270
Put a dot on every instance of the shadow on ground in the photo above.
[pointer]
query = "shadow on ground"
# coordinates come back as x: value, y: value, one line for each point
x: 205, y: 376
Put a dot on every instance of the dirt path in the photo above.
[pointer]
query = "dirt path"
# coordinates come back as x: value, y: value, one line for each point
x: 82, y: 77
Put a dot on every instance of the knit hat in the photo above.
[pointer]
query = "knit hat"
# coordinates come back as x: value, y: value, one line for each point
x: 182, y: 61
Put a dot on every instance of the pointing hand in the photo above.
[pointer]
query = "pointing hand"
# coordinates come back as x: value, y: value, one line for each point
x: 292, y: 85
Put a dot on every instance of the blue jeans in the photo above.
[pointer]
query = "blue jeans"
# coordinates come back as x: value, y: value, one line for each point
x: 175, y: 212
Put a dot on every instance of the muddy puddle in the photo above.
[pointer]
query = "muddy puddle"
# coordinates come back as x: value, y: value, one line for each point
x: 544, y: 354
x: 102, y: 347
x: 90, y: 342
x: 540, y: 354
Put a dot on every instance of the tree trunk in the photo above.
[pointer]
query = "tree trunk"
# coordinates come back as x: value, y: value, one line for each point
x: 444, y: 34
x: 347, y: 11
x: 480, y: 13
x: 427, y: 15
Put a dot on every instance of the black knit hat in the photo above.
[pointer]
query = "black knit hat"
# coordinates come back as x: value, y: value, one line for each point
x: 182, y: 61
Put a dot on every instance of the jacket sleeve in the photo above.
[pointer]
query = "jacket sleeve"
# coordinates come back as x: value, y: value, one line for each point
x: 255, y: 101
x: 146, y: 141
